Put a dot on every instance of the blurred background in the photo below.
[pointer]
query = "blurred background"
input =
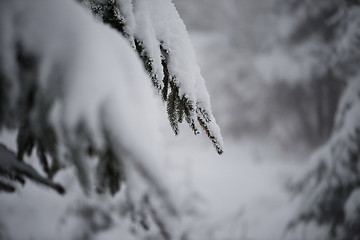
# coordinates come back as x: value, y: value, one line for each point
x: 275, y: 105
x: 258, y: 62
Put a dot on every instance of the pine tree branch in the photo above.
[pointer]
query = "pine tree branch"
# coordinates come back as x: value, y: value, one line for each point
x: 11, y: 168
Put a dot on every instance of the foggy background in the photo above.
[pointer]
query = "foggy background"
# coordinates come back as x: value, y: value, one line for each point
x: 272, y: 117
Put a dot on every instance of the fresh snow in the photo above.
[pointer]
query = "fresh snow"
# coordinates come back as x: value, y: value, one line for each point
x: 157, y: 23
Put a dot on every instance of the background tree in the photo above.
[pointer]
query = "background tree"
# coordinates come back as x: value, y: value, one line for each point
x: 328, y: 192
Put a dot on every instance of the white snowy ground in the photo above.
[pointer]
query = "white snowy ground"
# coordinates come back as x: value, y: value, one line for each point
x: 242, y: 193
x: 239, y: 195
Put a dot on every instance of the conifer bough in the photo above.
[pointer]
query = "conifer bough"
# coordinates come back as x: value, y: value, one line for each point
x: 79, y: 92
x: 158, y: 34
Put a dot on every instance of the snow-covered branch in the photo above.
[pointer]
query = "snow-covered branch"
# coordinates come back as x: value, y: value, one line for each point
x: 156, y: 31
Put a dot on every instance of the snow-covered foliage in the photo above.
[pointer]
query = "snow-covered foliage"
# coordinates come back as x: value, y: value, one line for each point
x: 77, y: 92
x: 156, y: 31
x: 329, y: 188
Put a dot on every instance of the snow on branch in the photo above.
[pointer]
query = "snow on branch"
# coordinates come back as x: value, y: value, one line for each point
x: 155, y: 29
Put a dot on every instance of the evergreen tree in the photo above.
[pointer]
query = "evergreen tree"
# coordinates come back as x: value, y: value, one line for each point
x: 329, y: 192
x: 76, y: 91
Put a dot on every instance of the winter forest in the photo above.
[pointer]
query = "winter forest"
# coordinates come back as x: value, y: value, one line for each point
x: 179, y: 120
